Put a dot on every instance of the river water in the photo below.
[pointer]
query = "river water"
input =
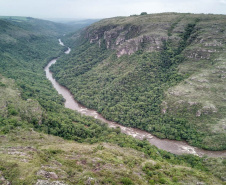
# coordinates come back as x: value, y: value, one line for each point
x: 175, y: 147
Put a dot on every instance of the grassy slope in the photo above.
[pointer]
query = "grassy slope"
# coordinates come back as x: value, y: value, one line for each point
x: 31, y: 157
x: 150, y: 88
x: 203, y: 93
x: 24, y: 53
x: 38, y: 26
x: 28, y: 157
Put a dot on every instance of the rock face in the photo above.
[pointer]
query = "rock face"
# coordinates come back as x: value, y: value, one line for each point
x: 49, y: 175
x: 129, y: 58
x: 129, y: 35
x: 128, y: 38
x: 46, y: 182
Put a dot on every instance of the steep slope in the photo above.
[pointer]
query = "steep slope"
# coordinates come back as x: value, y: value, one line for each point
x: 24, y: 53
x: 76, y: 24
x: 163, y: 73
x: 38, y: 26
x: 30, y: 109
x: 31, y: 157
x: 35, y: 158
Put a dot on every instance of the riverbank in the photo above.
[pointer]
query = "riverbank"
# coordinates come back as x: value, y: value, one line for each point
x: 173, y: 146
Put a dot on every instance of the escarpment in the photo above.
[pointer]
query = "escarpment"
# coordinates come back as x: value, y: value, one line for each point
x: 163, y: 73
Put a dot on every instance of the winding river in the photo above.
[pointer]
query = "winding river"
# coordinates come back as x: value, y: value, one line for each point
x: 176, y: 147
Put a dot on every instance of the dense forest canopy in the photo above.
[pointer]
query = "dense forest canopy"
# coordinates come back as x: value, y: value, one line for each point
x: 83, y: 150
x: 160, y: 72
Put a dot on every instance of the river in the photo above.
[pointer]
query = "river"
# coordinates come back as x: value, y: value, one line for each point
x: 175, y: 147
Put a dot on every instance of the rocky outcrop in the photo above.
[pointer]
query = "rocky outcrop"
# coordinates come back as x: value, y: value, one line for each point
x: 46, y: 182
x: 3, y: 181
x: 49, y: 175
x: 126, y: 39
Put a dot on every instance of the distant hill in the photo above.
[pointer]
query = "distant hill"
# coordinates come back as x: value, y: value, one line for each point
x: 163, y: 73
x: 76, y: 24
x: 38, y: 25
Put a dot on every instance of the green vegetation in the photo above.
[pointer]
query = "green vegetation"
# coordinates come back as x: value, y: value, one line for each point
x: 132, y: 70
x: 28, y: 156
x: 31, y: 110
x: 143, y: 13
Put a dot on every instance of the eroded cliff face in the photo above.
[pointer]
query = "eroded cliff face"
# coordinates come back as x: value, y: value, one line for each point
x: 183, y: 55
x: 129, y: 38
x: 126, y: 36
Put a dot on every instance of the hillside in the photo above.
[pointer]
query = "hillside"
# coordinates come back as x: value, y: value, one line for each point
x: 35, y: 158
x: 29, y: 156
x: 39, y: 26
x: 163, y: 73
x: 41, y: 142
x: 30, y: 109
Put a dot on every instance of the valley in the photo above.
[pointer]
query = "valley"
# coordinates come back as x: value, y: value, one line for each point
x: 173, y: 146
x: 161, y: 73
x: 43, y: 140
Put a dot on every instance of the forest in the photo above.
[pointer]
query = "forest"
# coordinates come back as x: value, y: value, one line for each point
x: 131, y: 89
x: 30, y: 106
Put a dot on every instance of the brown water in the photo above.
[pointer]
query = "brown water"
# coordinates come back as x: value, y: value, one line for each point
x: 176, y: 147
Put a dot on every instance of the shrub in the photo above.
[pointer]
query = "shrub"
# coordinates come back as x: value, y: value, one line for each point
x: 143, y: 13
x: 127, y: 181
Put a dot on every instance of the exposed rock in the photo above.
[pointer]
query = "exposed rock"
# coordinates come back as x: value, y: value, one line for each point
x: 165, y: 107
x: 130, y: 46
x: 213, y: 43
x: 112, y: 34
x: 3, y: 181
x: 198, y: 113
x: 49, y: 175
x: 90, y: 180
x: 192, y: 103
x: 121, y: 38
x: 46, y: 182
x: 209, y: 109
x: 203, y: 80
x: 52, y: 175
x: 24, y: 160
x: 163, y: 111
x: 200, y: 183
x: 176, y: 93
x: 126, y: 39
x: 180, y: 102
x: 17, y: 153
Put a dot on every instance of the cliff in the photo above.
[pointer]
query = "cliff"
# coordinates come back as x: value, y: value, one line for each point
x: 163, y: 73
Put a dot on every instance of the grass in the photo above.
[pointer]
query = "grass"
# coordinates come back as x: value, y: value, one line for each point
x: 12, y: 104
x: 203, y: 92
x: 28, y: 156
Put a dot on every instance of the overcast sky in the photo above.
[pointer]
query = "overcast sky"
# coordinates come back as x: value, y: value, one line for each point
x: 105, y: 8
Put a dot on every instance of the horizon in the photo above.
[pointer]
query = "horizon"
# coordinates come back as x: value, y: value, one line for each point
x: 87, y: 9
x: 59, y: 19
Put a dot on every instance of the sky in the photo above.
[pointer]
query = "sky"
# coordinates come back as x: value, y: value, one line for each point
x: 82, y: 9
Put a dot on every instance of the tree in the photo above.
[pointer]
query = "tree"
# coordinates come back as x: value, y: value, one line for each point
x: 143, y: 13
